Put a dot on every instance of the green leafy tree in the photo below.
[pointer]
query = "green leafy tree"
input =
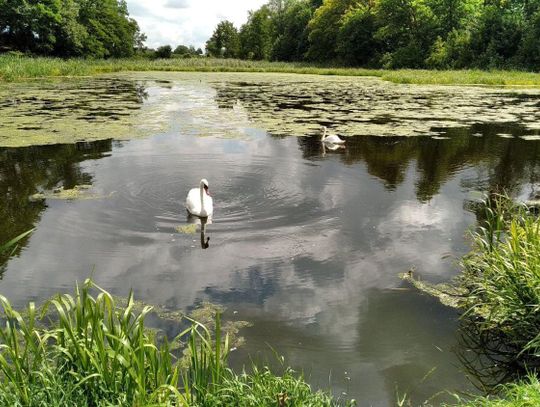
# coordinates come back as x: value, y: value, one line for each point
x: 98, y: 28
x: 324, y: 29
x: 499, y: 33
x: 356, y: 42
x: 111, y: 32
x: 256, y: 35
x: 407, y: 28
x: 224, y: 42
x: 181, y: 50
x: 529, y: 52
x: 291, y: 43
x: 165, y: 51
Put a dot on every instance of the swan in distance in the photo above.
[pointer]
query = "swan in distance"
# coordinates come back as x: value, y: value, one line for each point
x: 331, y: 138
x: 199, y: 202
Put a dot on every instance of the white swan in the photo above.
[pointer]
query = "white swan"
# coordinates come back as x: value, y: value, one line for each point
x: 199, y: 202
x: 331, y: 138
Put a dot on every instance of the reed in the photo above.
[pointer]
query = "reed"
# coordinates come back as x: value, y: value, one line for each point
x: 525, y: 393
x: 501, y: 277
x: 87, y: 349
x: 9, y: 247
x: 15, y: 68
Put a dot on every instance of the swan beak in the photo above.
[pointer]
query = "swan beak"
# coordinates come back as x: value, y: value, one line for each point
x: 206, y: 190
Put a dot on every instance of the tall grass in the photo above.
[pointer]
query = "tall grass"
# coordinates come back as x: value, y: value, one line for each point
x: 87, y: 350
x: 525, y: 393
x: 13, y: 68
x: 501, y: 277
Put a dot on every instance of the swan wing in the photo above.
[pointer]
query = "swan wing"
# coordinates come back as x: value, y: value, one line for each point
x: 193, y: 201
x: 208, y: 205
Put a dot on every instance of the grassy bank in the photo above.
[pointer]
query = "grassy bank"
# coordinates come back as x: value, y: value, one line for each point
x: 498, y: 293
x: 14, y: 68
x: 523, y: 394
x: 88, y: 349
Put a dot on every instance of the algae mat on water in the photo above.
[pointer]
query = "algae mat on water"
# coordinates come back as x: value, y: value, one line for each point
x: 125, y: 106
x: 66, y: 111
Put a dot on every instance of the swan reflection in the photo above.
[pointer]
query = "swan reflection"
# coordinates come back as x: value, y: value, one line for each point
x: 195, y: 220
x: 331, y: 147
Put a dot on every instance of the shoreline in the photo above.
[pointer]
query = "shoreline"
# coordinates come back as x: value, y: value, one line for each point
x: 16, y: 68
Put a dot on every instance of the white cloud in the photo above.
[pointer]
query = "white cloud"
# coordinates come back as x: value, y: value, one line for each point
x: 186, y: 22
x: 177, y: 4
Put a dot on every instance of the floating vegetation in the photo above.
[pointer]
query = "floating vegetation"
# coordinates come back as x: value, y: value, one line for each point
x: 67, y: 111
x: 477, y: 135
x: 125, y: 106
x: 300, y: 105
x: 187, y: 229
x: 448, y: 294
x: 505, y: 135
x: 78, y: 192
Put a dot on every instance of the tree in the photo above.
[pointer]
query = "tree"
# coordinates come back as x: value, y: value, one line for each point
x: 498, y: 34
x: 111, y: 32
x: 224, y: 42
x: 408, y: 30
x: 324, y: 28
x: 356, y: 42
x: 529, y: 52
x: 181, y: 50
x: 256, y: 35
x: 291, y: 41
x: 69, y: 27
x: 165, y: 51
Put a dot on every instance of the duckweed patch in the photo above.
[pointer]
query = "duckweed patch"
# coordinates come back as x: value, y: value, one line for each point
x: 187, y: 229
x: 78, y: 192
x: 227, y: 105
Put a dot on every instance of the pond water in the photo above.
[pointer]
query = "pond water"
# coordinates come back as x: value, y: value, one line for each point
x: 305, y: 243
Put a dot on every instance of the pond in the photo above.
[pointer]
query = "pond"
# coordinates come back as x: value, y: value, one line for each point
x: 305, y: 243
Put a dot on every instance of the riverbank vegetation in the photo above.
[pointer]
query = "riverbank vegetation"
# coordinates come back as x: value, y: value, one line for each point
x: 89, y: 349
x: 322, y: 37
x: 525, y: 393
x: 16, y: 68
x: 498, y: 293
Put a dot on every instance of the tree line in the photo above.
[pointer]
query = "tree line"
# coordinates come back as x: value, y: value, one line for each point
x: 441, y: 34
x: 69, y: 28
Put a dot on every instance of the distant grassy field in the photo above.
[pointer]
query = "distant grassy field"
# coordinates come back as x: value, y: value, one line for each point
x: 14, y: 68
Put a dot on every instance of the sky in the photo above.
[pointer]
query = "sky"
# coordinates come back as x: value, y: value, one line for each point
x: 186, y: 22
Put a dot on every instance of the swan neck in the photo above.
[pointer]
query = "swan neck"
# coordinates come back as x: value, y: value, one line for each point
x: 201, y: 188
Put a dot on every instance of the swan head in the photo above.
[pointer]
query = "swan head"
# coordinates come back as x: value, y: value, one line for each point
x: 324, y: 133
x: 204, y: 185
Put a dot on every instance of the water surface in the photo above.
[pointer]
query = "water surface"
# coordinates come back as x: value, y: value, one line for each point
x: 305, y: 243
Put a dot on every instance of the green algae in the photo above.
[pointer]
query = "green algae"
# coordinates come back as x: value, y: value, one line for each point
x: 448, y: 294
x: 78, y: 192
x: 187, y: 229
x: 68, y: 111
x: 227, y: 105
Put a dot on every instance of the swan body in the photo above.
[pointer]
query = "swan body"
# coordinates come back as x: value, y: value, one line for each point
x: 199, y: 202
x: 331, y: 138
